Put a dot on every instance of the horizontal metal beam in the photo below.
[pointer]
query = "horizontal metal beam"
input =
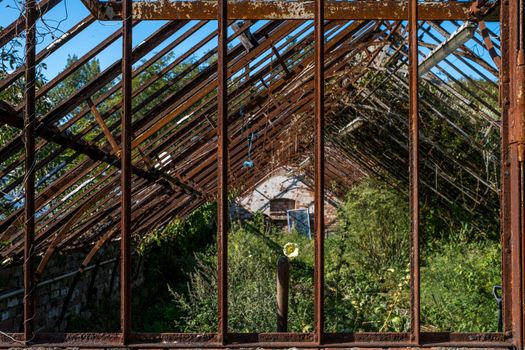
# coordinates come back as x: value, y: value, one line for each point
x: 279, y: 10
x: 267, y: 340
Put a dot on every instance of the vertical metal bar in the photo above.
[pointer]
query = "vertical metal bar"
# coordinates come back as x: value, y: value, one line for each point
x: 319, y: 172
x: 516, y: 123
x: 505, y: 222
x: 516, y: 245
x: 29, y: 183
x: 125, y: 174
x: 521, y: 342
x: 414, y: 172
x: 222, y: 170
x: 520, y: 116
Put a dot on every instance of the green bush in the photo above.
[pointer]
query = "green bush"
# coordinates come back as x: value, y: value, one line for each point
x: 254, y: 248
x: 456, y: 287
x: 374, y: 227
x: 168, y: 256
x: 367, y: 262
x: 366, y: 273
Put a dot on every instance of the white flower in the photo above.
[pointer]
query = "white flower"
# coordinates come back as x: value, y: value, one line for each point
x: 291, y: 250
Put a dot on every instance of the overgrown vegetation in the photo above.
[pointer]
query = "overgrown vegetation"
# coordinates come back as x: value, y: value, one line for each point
x: 457, y: 282
x: 169, y: 258
x: 366, y: 260
x: 366, y: 270
x: 254, y: 248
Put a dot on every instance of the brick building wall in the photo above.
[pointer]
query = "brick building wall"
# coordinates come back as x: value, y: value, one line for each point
x: 283, y: 184
x: 94, y: 284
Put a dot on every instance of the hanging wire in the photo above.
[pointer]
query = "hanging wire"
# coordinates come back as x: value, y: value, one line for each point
x: 248, y: 163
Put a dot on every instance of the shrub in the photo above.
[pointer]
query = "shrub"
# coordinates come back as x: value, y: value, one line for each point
x: 367, y: 262
x: 374, y: 227
x: 366, y: 274
x: 254, y: 248
x: 456, y: 287
x: 168, y: 256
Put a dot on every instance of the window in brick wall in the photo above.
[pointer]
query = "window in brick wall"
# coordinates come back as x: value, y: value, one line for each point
x: 279, y: 206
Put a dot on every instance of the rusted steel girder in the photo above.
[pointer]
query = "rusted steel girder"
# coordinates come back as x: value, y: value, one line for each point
x: 30, y: 170
x: 415, y: 334
x: 237, y: 141
x: 222, y: 170
x: 276, y: 10
x: 52, y: 134
x: 515, y: 100
x: 319, y: 197
x: 238, y: 145
x: 125, y: 174
x: 505, y: 198
x: 268, y: 340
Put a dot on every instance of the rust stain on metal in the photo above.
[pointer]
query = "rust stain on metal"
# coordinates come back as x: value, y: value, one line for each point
x: 274, y: 9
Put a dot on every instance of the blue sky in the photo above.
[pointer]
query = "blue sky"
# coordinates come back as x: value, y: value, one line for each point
x: 69, y: 12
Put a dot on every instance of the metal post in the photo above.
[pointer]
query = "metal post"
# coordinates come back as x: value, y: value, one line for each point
x: 29, y: 183
x: 222, y: 170
x: 512, y: 18
x: 319, y: 172
x: 283, y: 285
x: 414, y: 171
x: 505, y: 212
x: 520, y: 121
x: 125, y: 175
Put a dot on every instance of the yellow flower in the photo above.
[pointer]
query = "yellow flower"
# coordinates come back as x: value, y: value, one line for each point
x: 291, y: 250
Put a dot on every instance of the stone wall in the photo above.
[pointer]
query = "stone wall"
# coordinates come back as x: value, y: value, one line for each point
x: 94, y: 284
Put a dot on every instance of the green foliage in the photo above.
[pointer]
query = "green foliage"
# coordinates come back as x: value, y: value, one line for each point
x: 456, y: 287
x: 169, y: 257
x: 71, y: 85
x: 366, y: 275
x: 367, y: 262
x: 195, y: 225
x: 77, y: 79
x: 374, y: 225
x: 254, y: 247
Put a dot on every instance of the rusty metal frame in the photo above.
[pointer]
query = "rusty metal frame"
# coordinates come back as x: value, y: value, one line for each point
x: 222, y: 171
x: 413, y: 55
x: 30, y: 171
x: 125, y: 175
x: 275, y: 10
x: 193, y: 184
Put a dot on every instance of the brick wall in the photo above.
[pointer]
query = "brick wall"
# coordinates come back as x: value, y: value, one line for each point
x: 282, y: 184
x: 93, y: 285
